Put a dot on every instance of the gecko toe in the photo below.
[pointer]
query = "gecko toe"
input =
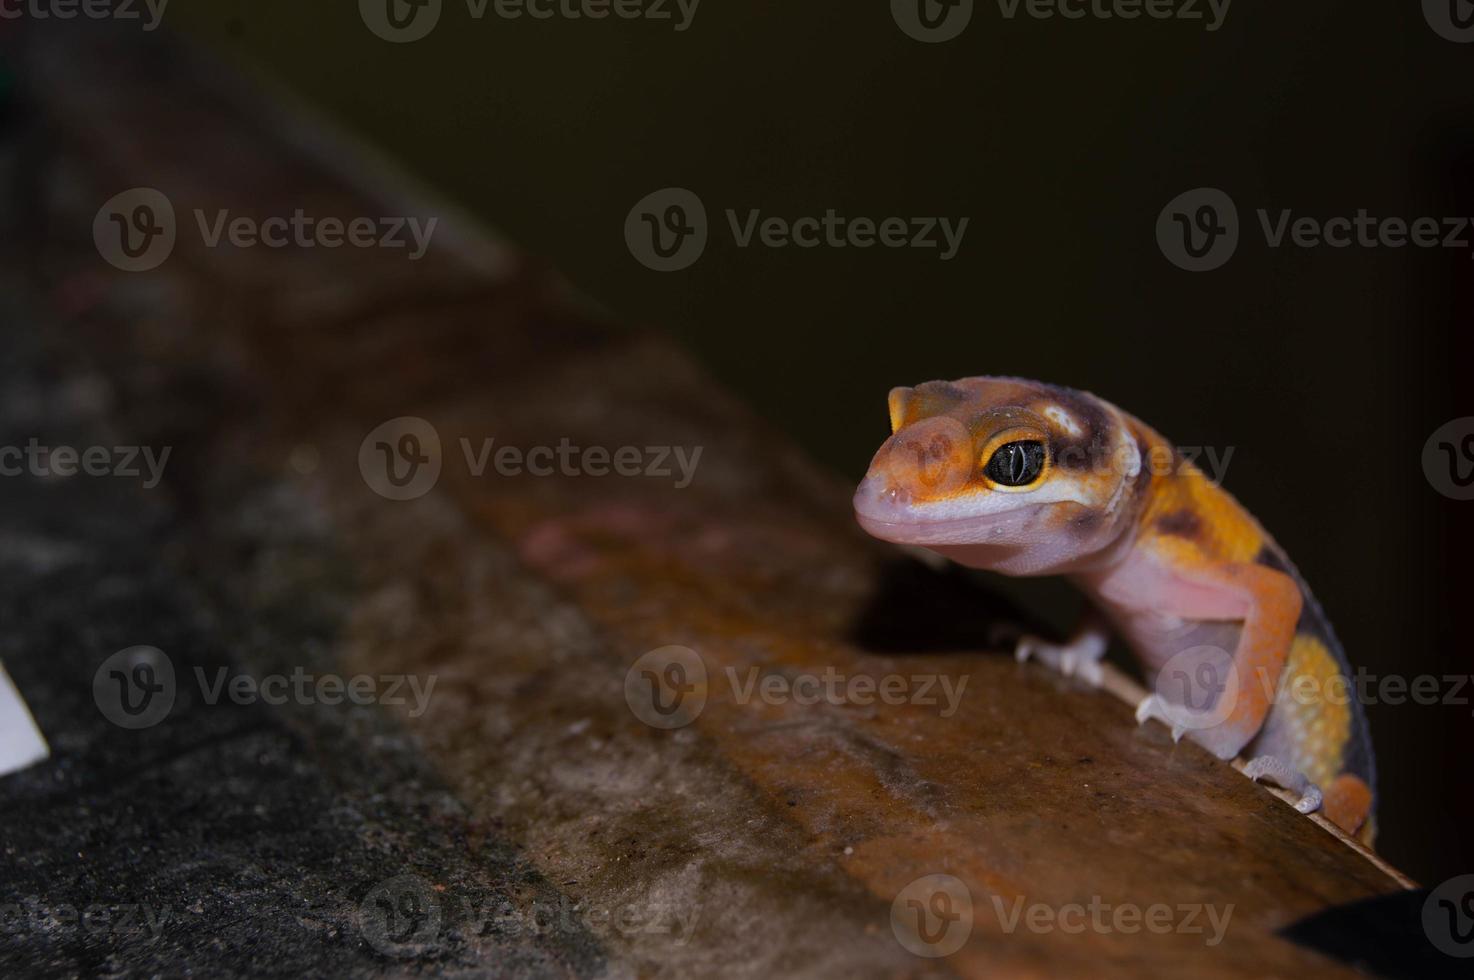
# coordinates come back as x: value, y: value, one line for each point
x: 1151, y: 707
x: 1270, y: 769
x: 1311, y: 800
x: 1024, y: 650
x: 1079, y: 660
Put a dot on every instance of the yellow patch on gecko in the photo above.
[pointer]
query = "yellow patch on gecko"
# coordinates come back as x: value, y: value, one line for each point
x: 1187, y: 511
x: 1314, y: 692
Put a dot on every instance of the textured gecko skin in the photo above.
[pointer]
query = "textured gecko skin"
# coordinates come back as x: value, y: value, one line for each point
x: 1027, y: 478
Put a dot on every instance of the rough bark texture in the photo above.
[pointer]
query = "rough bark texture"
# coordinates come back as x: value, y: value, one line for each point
x: 528, y: 822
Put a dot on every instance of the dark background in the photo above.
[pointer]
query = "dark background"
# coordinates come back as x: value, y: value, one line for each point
x: 1325, y: 369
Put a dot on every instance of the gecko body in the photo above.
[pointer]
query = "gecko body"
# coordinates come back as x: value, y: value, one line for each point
x: 1027, y: 478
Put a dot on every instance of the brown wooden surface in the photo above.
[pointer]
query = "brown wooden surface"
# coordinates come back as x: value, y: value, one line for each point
x: 786, y: 829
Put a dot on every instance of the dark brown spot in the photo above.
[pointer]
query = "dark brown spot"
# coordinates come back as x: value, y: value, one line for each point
x: 1182, y: 523
x: 1092, y: 447
x: 1086, y: 522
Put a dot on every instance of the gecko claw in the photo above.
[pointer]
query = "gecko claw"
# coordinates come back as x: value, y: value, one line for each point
x: 1083, y: 667
x: 1151, y: 707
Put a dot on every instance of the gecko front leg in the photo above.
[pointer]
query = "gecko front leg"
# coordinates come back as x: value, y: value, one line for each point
x: 1226, y: 710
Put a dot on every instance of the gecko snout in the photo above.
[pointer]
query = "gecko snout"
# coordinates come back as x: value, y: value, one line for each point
x: 927, y: 459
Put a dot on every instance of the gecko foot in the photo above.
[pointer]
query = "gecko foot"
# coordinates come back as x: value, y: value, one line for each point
x: 1271, y: 769
x: 1078, y: 658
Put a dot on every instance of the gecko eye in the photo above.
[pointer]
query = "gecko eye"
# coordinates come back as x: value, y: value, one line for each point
x: 1016, y: 464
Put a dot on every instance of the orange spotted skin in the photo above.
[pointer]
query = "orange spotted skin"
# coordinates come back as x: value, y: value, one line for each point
x: 1189, y: 515
x: 1171, y: 558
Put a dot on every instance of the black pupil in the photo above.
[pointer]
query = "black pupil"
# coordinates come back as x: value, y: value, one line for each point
x: 1016, y: 464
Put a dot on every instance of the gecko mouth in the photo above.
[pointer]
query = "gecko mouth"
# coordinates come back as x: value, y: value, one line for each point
x: 960, y: 530
x: 884, y: 515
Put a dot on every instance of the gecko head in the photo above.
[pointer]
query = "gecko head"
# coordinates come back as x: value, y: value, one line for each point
x: 1001, y: 473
